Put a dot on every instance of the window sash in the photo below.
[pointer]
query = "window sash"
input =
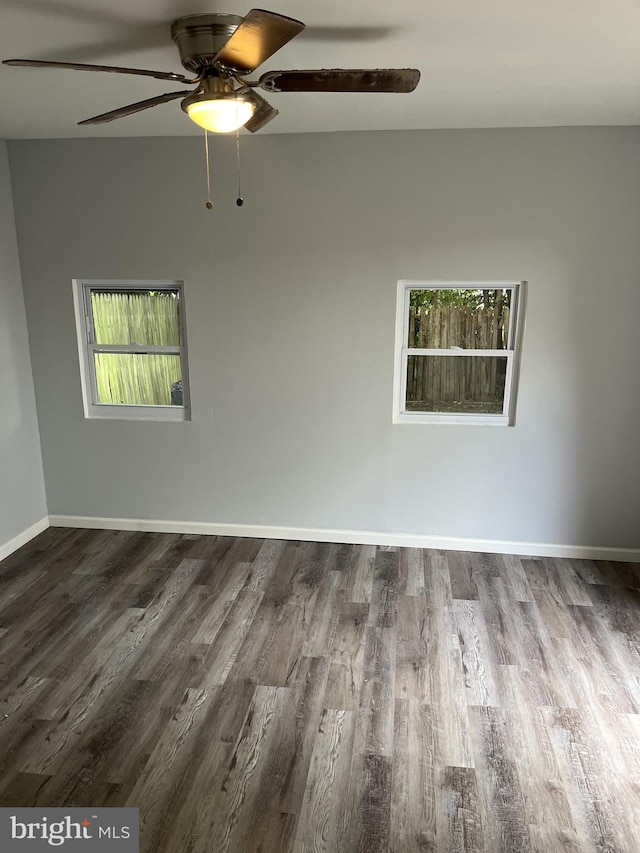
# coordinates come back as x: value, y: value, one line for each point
x: 493, y: 353
x: 513, y: 310
x: 89, y: 288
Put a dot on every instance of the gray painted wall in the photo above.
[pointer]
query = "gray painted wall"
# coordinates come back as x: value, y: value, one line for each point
x: 22, y: 496
x: 291, y: 309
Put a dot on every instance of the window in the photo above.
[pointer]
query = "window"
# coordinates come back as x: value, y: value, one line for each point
x: 132, y: 344
x: 457, y: 346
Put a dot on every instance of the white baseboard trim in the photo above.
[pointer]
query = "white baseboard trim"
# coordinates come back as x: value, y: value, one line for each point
x: 22, y: 538
x: 355, y: 537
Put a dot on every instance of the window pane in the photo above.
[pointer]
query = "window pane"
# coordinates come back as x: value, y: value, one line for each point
x: 149, y: 318
x: 138, y: 379
x: 472, y: 385
x: 462, y: 318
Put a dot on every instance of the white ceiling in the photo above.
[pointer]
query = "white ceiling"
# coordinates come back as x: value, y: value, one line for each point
x: 497, y: 63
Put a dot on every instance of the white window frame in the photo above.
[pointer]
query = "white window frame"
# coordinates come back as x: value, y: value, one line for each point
x: 87, y: 347
x: 512, y: 354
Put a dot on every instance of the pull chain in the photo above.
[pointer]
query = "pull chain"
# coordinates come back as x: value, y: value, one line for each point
x: 239, y: 200
x: 209, y: 203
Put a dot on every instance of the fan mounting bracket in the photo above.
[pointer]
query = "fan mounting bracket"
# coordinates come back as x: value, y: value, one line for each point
x: 200, y: 38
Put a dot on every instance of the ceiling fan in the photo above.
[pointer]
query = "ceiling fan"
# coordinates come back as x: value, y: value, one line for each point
x: 220, y: 50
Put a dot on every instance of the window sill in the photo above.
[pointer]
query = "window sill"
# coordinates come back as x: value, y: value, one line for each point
x: 170, y: 414
x: 419, y: 418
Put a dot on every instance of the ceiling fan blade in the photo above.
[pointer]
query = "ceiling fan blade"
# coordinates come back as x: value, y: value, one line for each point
x: 342, y: 80
x: 257, y: 38
x: 136, y: 108
x: 262, y: 115
x: 112, y: 69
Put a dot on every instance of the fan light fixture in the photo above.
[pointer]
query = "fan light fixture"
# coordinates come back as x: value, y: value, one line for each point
x: 222, y: 113
x: 218, y: 107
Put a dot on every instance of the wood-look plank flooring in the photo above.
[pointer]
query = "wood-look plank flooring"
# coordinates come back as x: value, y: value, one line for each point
x: 292, y: 697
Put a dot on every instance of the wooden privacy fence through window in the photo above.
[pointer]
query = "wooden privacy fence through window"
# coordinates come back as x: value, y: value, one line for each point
x: 433, y: 380
x: 145, y: 318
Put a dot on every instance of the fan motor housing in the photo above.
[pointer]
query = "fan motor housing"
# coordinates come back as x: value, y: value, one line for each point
x: 200, y: 37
